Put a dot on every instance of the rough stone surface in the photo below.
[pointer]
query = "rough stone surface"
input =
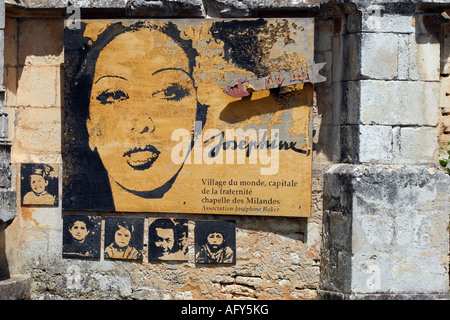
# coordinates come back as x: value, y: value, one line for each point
x: 330, y: 295
x: 375, y: 144
x: 15, y: 288
x: 230, y: 4
x: 385, y: 230
x: 5, y: 165
x: 396, y: 103
x: 8, y: 207
x: 417, y: 145
x: 379, y: 49
x: 424, y: 57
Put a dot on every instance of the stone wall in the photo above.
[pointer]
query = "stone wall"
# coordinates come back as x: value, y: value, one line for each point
x: 379, y: 222
x: 384, y: 211
x: 277, y: 258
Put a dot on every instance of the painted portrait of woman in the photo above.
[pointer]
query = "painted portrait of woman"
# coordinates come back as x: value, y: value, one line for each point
x: 130, y: 102
x: 130, y: 85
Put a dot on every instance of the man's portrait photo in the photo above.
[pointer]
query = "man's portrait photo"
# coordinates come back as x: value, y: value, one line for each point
x: 168, y: 239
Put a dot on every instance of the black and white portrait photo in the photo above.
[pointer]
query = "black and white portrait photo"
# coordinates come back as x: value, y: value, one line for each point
x: 215, y: 242
x: 81, y: 236
x: 39, y: 184
x: 168, y: 239
x: 124, y: 238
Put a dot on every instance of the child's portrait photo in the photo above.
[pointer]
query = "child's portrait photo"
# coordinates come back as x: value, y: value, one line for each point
x: 124, y: 238
x: 81, y: 237
x: 39, y: 184
x: 168, y: 239
x: 215, y: 242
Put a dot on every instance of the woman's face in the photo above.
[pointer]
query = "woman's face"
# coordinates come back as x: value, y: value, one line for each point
x: 141, y: 93
x: 38, y: 183
x: 79, y: 230
x: 122, y: 237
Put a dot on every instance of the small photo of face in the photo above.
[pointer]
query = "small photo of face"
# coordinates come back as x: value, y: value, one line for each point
x: 168, y: 239
x: 124, y: 238
x: 81, y: 237
x: 39, y: 184
x: 215, y: 242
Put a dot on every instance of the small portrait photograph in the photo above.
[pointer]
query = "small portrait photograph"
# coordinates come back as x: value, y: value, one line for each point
x: 124, y: 238
x: 168, y: 239
x: 39, y: 184
x: 81, y: 237
x: 215, y: 242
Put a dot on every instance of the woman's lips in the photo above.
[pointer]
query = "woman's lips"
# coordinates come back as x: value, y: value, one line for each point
x: 141, y: 158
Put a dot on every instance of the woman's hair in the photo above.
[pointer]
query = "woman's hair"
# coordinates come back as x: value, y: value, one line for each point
x: 86, y: 183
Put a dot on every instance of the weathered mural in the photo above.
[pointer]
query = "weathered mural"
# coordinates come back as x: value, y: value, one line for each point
x: 189, y: 116
x: 168, y: 239
x: 215, y: 242
x: 124, y: 237
x: 39, y: 184
x: 81, y: 237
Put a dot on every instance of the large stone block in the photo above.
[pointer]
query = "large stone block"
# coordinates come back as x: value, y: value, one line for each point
x: 424, y: 57
x: 11, y: 42
x: 379, y: 55
x: 417, y: 145
x: 386, y: 48
x: 40, y: 42
x: 37, y: 86
x: 38, y: 130
x: 366, y: 144
x: 18, y: 287
x: 372, y: 102
x: 395, y: 223
x: 375, y: 144
x: 375, y: 19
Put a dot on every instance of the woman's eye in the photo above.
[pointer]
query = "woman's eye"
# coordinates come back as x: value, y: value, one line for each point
x: 174, y: 92
x: 108, y: 97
